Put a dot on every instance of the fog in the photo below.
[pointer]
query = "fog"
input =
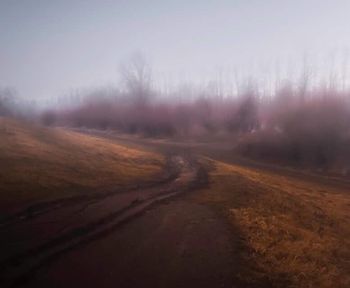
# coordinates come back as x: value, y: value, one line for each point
x: 53, y: 48
x: 270, y: 76
x: 175, y: 143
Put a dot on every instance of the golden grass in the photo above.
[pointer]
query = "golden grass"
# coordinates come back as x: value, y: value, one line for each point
x: 38, y: 163
x: 297, y: 233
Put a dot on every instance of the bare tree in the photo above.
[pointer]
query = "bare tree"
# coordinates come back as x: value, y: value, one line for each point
x: 344, y: 72
x: 7, y: 101
x: 305, y: 78
x: 136, y: 76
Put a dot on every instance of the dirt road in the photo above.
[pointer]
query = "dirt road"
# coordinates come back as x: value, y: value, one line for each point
x: 148, y: 236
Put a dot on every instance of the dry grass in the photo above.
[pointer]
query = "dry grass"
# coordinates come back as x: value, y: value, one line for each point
x: 38, y: 163
x: 297, y: 233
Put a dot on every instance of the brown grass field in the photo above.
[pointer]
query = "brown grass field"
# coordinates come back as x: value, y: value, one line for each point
x: 42, y: 164
x: 295, y: 233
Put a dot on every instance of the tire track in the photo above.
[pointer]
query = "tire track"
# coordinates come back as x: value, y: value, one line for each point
x: 35, y: 210
x: 17, y: 269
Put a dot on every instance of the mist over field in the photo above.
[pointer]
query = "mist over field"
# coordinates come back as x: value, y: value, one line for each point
x: 174, y: 143
x: 295, y: 124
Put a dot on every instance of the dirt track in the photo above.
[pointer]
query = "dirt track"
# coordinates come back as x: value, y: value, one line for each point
x: 93, y: 242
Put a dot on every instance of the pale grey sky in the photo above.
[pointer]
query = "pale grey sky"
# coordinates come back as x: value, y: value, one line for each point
x: 48, y: 47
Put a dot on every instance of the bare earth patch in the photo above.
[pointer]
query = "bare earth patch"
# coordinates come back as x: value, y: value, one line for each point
x: 170, y: 246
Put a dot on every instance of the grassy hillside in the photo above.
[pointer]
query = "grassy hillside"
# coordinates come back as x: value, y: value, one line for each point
x: 39, y: 164
x: 296, y: 232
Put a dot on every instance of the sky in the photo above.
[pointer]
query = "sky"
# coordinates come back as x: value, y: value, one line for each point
x: 48, y: 48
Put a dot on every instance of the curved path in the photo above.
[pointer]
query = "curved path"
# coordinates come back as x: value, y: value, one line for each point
x: 57, y: 237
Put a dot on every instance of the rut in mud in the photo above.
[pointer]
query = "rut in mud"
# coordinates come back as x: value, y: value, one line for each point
x: 63, y: 226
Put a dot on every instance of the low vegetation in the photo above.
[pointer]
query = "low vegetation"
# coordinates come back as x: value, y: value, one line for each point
x: 294, y: 125
x: 41, y: 164
x: 295, y: 232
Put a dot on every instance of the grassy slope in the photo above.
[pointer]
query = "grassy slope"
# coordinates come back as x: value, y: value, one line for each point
x: 297, y: 233
x: 38, y: 163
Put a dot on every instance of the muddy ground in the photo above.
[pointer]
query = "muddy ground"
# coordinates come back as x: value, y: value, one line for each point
x: 176, y: 244
x: 151, y: 235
